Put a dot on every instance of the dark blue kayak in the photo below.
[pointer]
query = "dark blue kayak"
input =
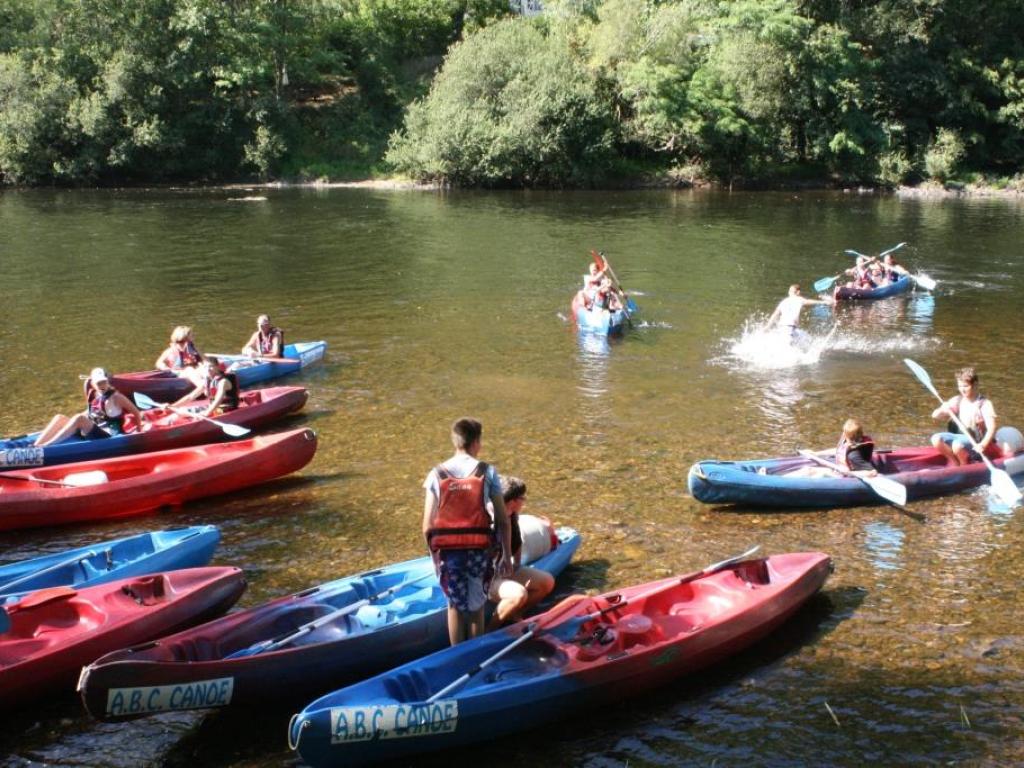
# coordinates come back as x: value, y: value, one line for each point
x: 902, y: 285
x: 290, y: 649
x: 105, y: 561
x: 601, y: 321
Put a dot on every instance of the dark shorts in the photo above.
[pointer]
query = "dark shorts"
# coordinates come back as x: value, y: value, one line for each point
x: 96, y: 433
x: 465, y: 577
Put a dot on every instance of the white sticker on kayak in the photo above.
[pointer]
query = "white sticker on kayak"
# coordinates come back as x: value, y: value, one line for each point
x: 21, y: 457
x: 393, y: 721
x: 161, y: 698
x: 311, y: 355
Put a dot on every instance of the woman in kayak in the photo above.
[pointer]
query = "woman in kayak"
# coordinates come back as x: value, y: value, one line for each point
x: 218, y: 386
x: 103, y: 417
x: 975, y: 411
x: 181, y: 357
x: 266, y: 341
x: 525, y: 586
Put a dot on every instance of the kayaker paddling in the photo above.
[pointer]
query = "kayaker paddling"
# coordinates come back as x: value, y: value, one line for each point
x: 975, y: 411
x: 786, y: 316
x: 104, y: 415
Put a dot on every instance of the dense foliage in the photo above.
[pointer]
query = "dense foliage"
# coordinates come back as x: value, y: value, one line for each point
x: 102, y: 91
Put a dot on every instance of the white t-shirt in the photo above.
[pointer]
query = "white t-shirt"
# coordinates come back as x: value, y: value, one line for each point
x: 789, y: 311
x: 463, y: 465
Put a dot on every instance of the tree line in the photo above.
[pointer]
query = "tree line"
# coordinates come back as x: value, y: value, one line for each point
x: 466, y: 92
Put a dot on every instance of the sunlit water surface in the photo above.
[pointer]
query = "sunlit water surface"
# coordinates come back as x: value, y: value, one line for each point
x: 442, y: 305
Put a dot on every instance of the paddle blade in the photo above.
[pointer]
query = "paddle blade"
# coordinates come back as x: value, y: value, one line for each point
x: 1004, y: 487
x: 598, y: 259
x: 890, y: 490
x: 233, y: 429
x: 145, y: 401
x: 891, y: 250
x: 925, y: 282
x: 853, y: 253
x: 922, y: 376
x: 822, y: 285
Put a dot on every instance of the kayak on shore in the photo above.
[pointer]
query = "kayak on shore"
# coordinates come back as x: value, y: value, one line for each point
x: 107, y: 489
x: 52, y: 633
x: 257, y: 408
x: 293, y: 648
x: 105, y: 561
x: 584, y: 652
x: 165, y: 386
x: 768, y: 482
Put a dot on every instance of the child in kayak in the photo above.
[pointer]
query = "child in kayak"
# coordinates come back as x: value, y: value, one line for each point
x: 975, y: 411
x: 853, y: 454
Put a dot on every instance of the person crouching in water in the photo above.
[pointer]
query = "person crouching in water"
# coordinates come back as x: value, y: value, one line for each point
x: 460, y: 532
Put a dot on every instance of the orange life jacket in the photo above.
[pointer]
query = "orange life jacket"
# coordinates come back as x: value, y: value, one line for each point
x: 461, y: 520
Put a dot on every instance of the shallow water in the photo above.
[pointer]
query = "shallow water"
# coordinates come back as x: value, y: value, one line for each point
x: 442, y: 305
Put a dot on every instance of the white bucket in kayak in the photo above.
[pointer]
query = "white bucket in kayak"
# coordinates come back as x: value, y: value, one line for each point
x: 82, y: 479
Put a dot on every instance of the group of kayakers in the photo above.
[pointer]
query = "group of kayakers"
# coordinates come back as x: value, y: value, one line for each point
x: 599, y: 290
x: 108, y: 412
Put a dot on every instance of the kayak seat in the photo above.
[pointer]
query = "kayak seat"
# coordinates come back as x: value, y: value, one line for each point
x: 148, y: 590
x: 410, y: 685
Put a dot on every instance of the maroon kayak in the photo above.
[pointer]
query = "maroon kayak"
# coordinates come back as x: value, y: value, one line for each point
x: 53, y: 633
x: 130, y: 485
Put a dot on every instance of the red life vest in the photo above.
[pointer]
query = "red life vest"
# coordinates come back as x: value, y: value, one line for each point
x: 265, y: 344
x: 189, y: 356
x: 865, y: 447
x: 97, y: 408
x: 978, y: 428
x: 461, y: 520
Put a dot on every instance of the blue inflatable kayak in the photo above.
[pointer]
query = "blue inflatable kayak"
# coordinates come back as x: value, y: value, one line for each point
x: 290, y: 649
x: 164, y: 386
x: 600, y: 321
x: 105, y: 561
x: 902, y: 285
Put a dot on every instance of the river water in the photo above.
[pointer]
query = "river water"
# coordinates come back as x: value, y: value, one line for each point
x: 439, y: 305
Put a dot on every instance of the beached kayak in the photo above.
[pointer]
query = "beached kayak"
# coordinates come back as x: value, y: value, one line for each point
x: 166, y: 387
x: 357, y: 626
x: 105, y: 489
x: 767, y: 483
x: 902, y: 285
x: 258, y: 408
x: 54, y: 632
x: 105, y: 561
x: 583, y: 653
x: 600, y: 320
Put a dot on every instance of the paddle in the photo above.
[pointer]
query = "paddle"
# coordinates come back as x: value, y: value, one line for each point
x: 602, y: 263
x: 277, y: 642
x: 888, y: 489
x: 146, y: 402
x: 29, y: 576
x: 922, y: 280
x: 570, y: 627
x: 1000, y: 480
x: 235, y: 358
x: 30, y: 479
x: 822, y: 285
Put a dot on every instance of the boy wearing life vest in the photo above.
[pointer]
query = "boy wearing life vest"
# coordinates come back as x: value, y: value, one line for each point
x: 525, y: 586
x: 460, y: 532
x: 218, y: 387
x: 855, y: 449
x: 975, y: 411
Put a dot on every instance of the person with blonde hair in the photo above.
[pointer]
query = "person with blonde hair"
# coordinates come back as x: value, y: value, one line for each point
x: 181, y: 356
x: 266, y: 341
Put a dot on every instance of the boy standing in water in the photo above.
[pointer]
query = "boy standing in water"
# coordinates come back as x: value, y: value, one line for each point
x: 460, y: 533
x: 787, y: 314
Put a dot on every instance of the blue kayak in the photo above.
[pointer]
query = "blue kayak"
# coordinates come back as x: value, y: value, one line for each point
x: 601, y: 321
x: 902, y: 285
x: 105, y: 561
x: 164, y: 386
x: 290, y: 649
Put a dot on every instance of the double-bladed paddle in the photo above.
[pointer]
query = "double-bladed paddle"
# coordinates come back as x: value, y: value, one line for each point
x: 822, y: 285
x: 890, y: 490
x: 235, y: 358
x: 146, y: 402
x: 279, y: 642
x: 568, y: 629
x: 1000, y: 479
x: 922, y: 280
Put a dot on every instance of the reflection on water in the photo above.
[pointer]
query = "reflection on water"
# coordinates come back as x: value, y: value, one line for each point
x: 884, y: 543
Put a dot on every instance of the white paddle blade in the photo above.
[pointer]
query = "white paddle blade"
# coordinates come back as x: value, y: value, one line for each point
x: 145, y: 401
x: 891, y: 250
x: 852, y: 252
x: 922, y: 376
x: 1004, y: 487
x: 232, y: 429
x: 890, y: 490
x: 925, y: 282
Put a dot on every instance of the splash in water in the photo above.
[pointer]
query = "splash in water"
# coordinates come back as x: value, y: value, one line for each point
x: 775, y: 349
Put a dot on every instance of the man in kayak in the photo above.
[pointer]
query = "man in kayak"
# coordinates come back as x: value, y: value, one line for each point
x: 104, y: 414
x: 461, y: 533
x: 266, y: 341
x: 975, y: 411
x: 786, y: 316
x: 892, y: 270
x: 525, y: 586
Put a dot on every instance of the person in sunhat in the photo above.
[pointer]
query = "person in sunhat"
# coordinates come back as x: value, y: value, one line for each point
x: 104, y: 415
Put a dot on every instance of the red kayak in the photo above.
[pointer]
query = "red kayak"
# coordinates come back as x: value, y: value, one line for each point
x: 55, y: 632
x: 130, y: 485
